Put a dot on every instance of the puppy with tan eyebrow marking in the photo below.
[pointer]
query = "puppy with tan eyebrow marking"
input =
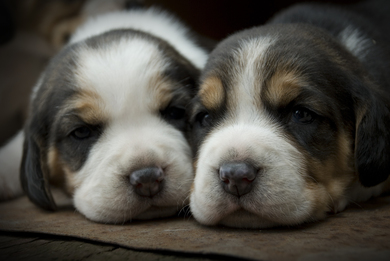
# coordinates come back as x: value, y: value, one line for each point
x: 108, y: 119
x: 292, y: 118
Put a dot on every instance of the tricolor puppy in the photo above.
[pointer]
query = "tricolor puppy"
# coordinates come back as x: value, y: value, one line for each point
x: 292, y: 118
x: 109, y: 115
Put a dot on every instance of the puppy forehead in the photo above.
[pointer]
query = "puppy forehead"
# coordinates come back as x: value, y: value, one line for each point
x: 88, y: 105
x: 283, y: 86
x: 212, y: 93
x: 238, y: 76
x: 128, y: 73
x: 255, y: 73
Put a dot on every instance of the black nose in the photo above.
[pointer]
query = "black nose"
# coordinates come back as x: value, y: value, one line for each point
x: 237, y: 177
x: 147, y: 181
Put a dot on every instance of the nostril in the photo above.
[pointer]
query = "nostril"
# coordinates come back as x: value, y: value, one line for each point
x: 147, y: 182
x: 248, y: 180
x: 237, y: 177
x: 159, y: 175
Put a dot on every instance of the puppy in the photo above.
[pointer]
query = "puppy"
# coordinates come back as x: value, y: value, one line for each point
x: 108, y: 118
x: 292, y: 118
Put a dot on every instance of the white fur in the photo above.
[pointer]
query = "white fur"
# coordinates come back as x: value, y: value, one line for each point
x: 153, y: 21
x: 36, y: 87
x: 355, y: 42
x: 246, y: 76
x: 10, y: 159
x: 358, y: 193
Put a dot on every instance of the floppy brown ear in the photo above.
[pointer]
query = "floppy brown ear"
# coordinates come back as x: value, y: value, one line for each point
x: 372, y: 142
x: 34, y: 175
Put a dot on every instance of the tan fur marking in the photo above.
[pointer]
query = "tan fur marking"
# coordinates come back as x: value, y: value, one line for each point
x: 161, y: 88
x: 70, y: 183
x: 90, y: 107
x: 361, y: 112
x: 195, y: 164
x: 60, y: 176
x: 212, y: 93
x: 56, y: 173
x: 283, y: 87
x: 331, y: 178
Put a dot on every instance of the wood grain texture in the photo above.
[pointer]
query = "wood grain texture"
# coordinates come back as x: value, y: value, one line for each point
x: 362, y: 232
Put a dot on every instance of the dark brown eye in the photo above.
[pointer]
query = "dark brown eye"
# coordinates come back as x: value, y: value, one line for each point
x: 203, y: 119
x: 303, y: 115
x: 81, y: 133
x: 174, y: 113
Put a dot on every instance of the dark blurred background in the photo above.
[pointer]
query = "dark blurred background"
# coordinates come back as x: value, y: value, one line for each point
x: 219, y: 18
x: 32, y: 31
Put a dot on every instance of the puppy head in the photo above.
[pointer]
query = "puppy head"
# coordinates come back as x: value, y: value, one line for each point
x: 282, y: 123
x: 108, y: 123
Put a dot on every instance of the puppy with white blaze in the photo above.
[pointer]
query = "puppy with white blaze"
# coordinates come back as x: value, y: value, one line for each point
x: 292, y: 118
x: 108, y: 119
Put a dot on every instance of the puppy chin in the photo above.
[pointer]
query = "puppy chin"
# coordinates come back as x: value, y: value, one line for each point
x: 103, y: 214
x: 142, y: 212
x: 244, y: 219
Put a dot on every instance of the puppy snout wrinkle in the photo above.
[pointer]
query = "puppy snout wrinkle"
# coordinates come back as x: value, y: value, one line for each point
x: 147, y: 182
x: 237, y: 177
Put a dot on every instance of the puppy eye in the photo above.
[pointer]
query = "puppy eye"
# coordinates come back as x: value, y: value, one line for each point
x: 174, y: 113
x: 81, y: 133
x: 204, y: 119
x: 303, y: 115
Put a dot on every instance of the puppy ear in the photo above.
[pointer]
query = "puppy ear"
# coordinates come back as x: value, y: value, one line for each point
x: 372, y: 142
x: 34, y: 175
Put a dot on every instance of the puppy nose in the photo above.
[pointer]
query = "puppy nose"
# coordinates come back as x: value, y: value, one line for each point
x: 237, y: 177
x: 147, y: 182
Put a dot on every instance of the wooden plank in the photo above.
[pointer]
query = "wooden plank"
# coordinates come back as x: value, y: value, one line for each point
x: 35, y: 248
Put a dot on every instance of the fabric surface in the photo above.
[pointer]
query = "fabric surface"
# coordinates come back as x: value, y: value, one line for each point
x: 362, y: 232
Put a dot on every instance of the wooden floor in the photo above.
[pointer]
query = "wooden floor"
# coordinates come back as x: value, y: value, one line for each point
x: 31, y: 247
x: 360, y: 233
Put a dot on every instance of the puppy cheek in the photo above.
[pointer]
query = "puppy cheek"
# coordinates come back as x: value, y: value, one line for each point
x: 319, y: 201
x: 55, y: 167
x: 60, y: 175
x: 207, y: 199
x: 333, y: 177
x: 96, y: 200
x: 204, y: 209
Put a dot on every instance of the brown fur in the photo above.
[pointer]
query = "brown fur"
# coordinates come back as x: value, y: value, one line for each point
x: 162, y: 88
x: 212, y: 93
x: 283, y: 87
x: 89, y: 105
